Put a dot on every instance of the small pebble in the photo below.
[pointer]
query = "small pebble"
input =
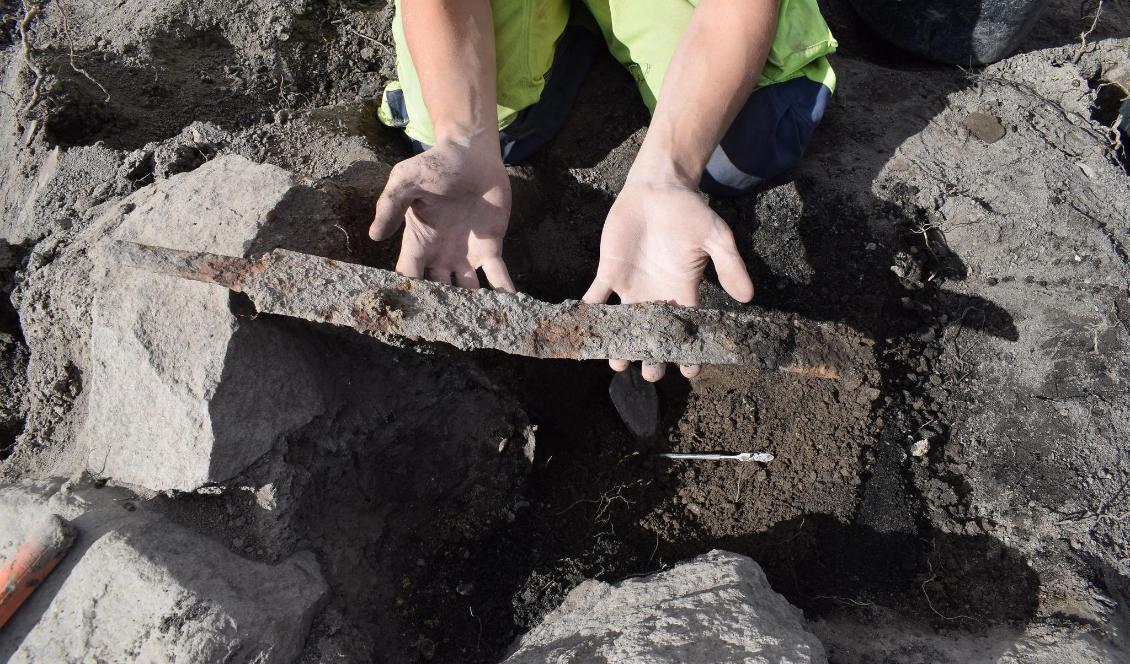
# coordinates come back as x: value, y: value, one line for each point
x: 984, y: 126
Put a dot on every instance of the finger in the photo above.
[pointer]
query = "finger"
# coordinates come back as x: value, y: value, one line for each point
x: 468, y: 279
x: 688, y: 297
x: 398, y: 194
x: 598, y: 293
x: 618, y: 365
x: 410, y: 264
x: 653, y: 372
x: 440, y: 275
x: 498, y: 276
x: 728, y: 263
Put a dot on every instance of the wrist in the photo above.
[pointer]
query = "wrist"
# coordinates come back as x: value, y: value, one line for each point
x: 661, y: 163
x: 471, y: 138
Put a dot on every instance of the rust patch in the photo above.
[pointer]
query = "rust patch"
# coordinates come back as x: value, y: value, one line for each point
x: 814, y: 371
x: 565, y: 338
x: 227, y: 271
x: 494, y: 319
x: 330, y: 314
x: 376, y: 315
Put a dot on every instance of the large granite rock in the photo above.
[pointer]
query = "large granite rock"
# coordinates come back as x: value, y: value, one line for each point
x: 715, y: 608
x: 137, y: 587
x: 183, y: 391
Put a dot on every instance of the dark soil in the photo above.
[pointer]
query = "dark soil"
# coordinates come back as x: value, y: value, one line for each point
x: 1109, y: 110
x: 13, y: 352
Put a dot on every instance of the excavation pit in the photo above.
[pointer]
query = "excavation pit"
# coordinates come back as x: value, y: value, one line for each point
x: 968, y: 497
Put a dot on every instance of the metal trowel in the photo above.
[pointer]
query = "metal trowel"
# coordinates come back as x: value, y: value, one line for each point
x: 636, y: 402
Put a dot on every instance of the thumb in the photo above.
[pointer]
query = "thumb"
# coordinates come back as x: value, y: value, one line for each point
x: 398, y: 194
x: 728, y: 263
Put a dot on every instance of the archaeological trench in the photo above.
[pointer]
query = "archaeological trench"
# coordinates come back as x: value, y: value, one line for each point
x: 252, y: 486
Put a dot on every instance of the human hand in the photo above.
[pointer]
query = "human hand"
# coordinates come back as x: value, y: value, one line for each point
x: 455, y: 201
x: 655, y: 246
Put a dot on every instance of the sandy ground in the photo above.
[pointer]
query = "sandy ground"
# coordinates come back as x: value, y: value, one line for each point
x: 987, y: 265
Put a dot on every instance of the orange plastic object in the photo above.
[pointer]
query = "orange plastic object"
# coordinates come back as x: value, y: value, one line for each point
x: 21, y: 574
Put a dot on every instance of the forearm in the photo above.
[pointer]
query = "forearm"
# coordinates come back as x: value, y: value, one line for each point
x: 452, y: 47
x: 713, y: 71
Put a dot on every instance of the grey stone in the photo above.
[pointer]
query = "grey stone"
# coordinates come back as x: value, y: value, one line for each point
x: 183, y: 392
x: 715, y: 608
x: 55, y: 293
x: 136, y: 587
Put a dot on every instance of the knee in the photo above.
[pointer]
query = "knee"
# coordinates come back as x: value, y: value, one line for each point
x: 769, y: 135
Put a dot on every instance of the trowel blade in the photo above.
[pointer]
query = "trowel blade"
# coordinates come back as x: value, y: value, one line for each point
x: 636, y: 402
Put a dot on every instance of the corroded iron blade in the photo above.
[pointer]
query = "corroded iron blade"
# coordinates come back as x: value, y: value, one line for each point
x: 390, y: 306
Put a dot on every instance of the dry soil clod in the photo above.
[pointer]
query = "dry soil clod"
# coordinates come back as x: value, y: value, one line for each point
x: 390, y: 307
x: 984, y: 126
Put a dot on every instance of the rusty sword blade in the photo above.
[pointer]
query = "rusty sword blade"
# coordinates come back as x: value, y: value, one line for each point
x: 391, y: 307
